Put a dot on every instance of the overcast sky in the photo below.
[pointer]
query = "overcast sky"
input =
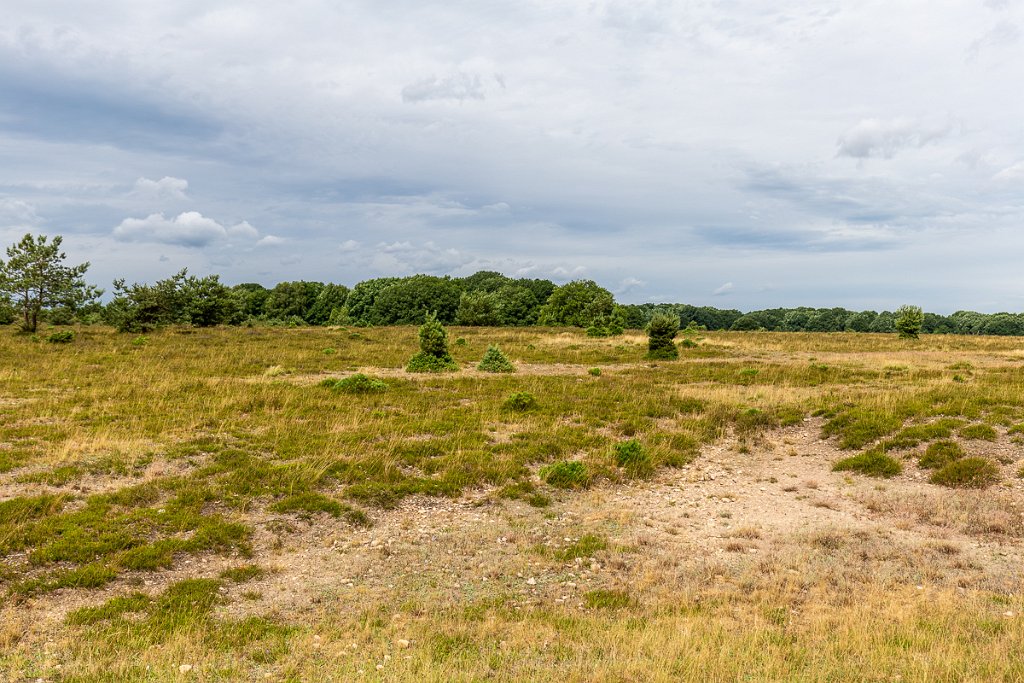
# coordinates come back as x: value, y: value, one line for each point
x: 737, y: 154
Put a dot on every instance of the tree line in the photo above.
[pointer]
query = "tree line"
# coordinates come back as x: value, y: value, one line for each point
x: 36, y: 286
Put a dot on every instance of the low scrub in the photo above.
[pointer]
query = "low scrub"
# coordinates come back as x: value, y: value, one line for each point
x: 873, y: 463
x: 972, y: 473
x: 61, y: 337
x: 979, y: 432
x: 566, y: 474
x: 521, y: 401
x: 356, y: 384
x: 632, y: 457
x: 495, y: 361
x: 940, y: 454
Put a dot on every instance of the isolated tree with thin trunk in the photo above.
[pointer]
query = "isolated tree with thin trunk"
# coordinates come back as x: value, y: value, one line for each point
x: 35, y: 279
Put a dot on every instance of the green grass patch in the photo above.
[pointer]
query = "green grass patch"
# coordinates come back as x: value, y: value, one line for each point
x: 940, y: 454
x: 978, y: 432
x: 974, y: 473
x: 356, y: 384
x: 873, y: 463
x: 586, y: 546
x: 606, y: 599
x: 566, y: 474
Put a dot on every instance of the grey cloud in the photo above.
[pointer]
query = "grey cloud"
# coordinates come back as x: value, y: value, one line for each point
x: 458, y: 86
x: 886, y: 137
x: 1003, y: 34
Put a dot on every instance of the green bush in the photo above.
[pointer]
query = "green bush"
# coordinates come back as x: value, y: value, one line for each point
x: 434, y: 355
x: 974, y: 473
x: 660, y: 334
x: 356, y: 384
x: 909, y: 320
x: 874, y: 463
x: 61, y: 337
x: 978, y: 431
x: 940, y: 454
x: 634, y: 458
x: 595, y: 372
x: 566, y: 474
x: 521, y: 401
x: 495, y: 361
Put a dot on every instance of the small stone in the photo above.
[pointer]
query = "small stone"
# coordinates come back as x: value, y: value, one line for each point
x: 184, y: 668
x: 1008, y: 614
x: 403, y: 643
x: 531, y: 581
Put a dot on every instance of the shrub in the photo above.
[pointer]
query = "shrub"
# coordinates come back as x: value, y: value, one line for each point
x: 940, y: 454
x: 595, y: 372
x: 660, y: 333
x: 874, y: 463
x: 433, y: 355
x: 521, y: 401
x: 909, y: 320
x: 141, y: 340
x: 978, y: 431
x: 634, y: 458
x: 495, y: 361
x: 566, y: 474
x: 355, y: 384
x: 61, y: 337
x: 974, y: 473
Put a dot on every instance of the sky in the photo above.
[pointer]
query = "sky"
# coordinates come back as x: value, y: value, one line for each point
x: 734, y: 154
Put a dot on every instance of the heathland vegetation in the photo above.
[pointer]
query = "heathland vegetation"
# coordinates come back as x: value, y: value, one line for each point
x: 570, y: 499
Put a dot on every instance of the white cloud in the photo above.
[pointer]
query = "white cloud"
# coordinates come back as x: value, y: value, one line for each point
x: 189, y: 229
x: 1011, y: 172
x: 16, y: 213
x: 884, y: 138
x: 244, y: 230
x: 271, y: 241
x: 349, y: 246
x: 167, y: 187
x: 629, y: 284
x: 727, y: 288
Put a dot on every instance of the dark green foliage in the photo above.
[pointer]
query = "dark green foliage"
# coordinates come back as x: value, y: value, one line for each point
x: 661, y: 331
x: 495, y: 361
x: 61, y: 337
x: 292, y: 300
x: 606, y: 326
x: 940, y: 454
x: 632, y: 457
x: 356, y: 384
x: 980, y: 432
x: 34, y: 280
x: 909, y: 321
x: 406, y: 301
x: 434, y: 355
x: 566, y: 474
x: 594, y: 372
x: 874, y: 463
x: 329, y: 307
x: 577, y: 304
x: 178, y: 300
x: 521, y: 401
x: 975, y: 473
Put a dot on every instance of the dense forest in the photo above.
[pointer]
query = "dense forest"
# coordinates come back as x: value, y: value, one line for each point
x: 485, y: 298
